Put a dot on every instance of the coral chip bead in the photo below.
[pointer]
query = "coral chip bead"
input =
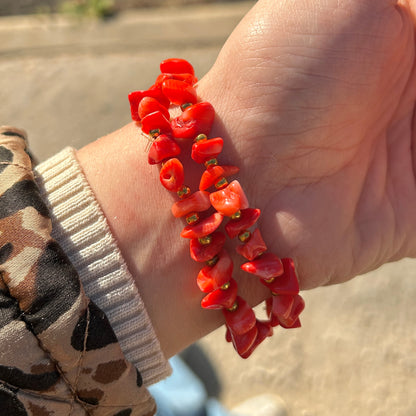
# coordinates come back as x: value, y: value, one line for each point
x: 213, y: 277
x: 240, y: 320
x: 205, y: 282
x: 229, y: 200
x: 292, y: 321
x: 225, y: 202
x: 267, y: 266
x: 214, y: 173
x: 204, y: 227
x: 206, y: 149
x: 162, y: 148
x: 149, y: 105
x: 221, y: 298
x: 188, y: 78
x: 282, y: 305
x: 264, y: 330
x: 196, y: 119
x: 197, y: 202
x: 235, y: 187
x: 171, y: 175
x: 247, y: 219
x: 155, y: 121
x: 176, y: 66
x: 243, y: 342
x: 253, y: 247
x: 135, y: 98
x: 179, y: 92
x: 204, y: 252
x: 287, y: 283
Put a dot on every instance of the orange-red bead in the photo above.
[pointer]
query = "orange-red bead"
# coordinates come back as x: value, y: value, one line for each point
x: 253, y: 247
x: 220, y: 298
x: 229, y: 200
x: 171, y: 175
x: 176, y: 66
x: 179, y: 92
x: 149, y: 105
x: 240, y: 320
x: 247, y: 219
x: 195, y: 119
x: 135, y: 98
x: 204, y: 227
x: 204, y: 150
x: 213, y: 277
x: 156, y: 120
x: 162, y: 148
x: 286, y: 283
x: 197, y: 202
x: 266, y: 267
x: 204, y: 252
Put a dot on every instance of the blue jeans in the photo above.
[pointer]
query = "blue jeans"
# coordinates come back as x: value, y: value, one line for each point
x: 183, y: 394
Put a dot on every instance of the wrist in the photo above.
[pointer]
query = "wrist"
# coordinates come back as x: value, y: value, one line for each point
x: 138, y: 213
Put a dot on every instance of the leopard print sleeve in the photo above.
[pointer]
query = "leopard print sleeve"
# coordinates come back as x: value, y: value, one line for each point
x: 58, y: 352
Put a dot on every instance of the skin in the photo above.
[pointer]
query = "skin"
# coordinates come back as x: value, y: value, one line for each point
x: 315, y: 101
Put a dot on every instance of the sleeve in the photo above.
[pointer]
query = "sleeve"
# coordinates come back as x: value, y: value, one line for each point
x: 58, y: 352
x: 80, y: 227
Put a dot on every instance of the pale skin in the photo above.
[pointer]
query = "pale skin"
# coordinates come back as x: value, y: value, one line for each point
x: 315, y: 101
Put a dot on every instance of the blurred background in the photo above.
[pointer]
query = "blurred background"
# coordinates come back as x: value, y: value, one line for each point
x: 66, y: 68
x: 97, y: 7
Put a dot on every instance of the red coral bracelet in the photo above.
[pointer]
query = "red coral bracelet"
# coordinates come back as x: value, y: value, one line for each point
x: 176, y: 86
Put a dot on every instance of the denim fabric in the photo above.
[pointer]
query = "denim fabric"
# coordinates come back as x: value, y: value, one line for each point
x: 183, y: 394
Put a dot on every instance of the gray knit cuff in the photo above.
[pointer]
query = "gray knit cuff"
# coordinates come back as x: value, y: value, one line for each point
x: 81, y: 229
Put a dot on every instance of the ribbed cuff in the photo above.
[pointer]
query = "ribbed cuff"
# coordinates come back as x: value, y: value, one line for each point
x: 81, y: 229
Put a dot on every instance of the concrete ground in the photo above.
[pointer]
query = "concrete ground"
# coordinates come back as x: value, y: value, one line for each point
x: 66, y: 83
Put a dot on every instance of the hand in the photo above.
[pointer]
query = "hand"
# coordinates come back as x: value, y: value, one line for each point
x: 315, y: 101
x: 318, y: 99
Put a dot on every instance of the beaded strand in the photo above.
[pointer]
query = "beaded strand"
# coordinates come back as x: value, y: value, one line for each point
x: 176, y: 86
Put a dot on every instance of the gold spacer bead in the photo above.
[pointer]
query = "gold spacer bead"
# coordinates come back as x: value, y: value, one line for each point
x: 226, y: 286
x: 233, y: 308
x: 185, y: 191
x: 236, y: 215
x: 205, y: 240
x: 244, y: 236
x: 275, y: 294
x: 192, y: 218
x: 154, y: 133
x: 200, y: 137
x: 213, y: 261
x: 221, y: 183
x: 270, y: 280
x: 211, y: 162
x: 185, y: 106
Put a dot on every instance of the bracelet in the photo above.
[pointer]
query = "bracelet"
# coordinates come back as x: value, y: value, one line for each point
x: 205, y: 211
